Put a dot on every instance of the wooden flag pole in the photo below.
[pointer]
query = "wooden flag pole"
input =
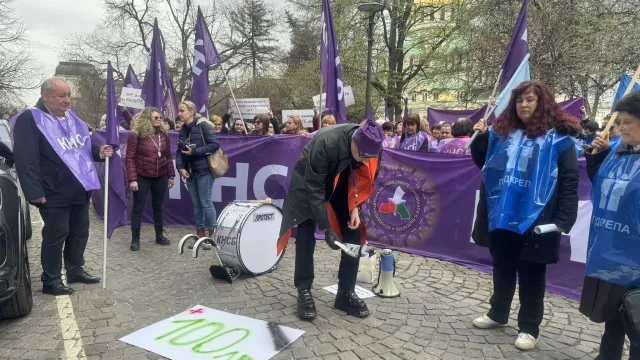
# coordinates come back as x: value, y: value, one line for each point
x: 615, y: 114
x: 489, y: 108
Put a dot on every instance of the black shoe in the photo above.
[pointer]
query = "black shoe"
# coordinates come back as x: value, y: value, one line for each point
x: 160, y: 239
x: 135, y: 245
x: 57, y: 289
x: 306, y: 305
x: 135, y: 239
x: 82, y: 277
x: 352, y: 304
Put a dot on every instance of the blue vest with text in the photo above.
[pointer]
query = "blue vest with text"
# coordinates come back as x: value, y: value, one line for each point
x: 520, y: 176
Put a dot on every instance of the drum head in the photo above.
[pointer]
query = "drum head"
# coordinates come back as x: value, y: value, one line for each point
x: 259, y: 239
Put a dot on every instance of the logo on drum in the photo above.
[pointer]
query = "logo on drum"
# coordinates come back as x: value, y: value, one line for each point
x: 264, y: 217
x: 222, y: 240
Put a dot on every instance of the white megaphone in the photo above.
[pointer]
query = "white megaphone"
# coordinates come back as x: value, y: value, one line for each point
x: 386, y: 286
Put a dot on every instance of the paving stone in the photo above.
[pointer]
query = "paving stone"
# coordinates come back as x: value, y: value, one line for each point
x: 430, y: 321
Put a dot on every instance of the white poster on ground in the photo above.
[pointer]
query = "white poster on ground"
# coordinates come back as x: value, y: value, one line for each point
x: 305, y: 115
x: 204, y: 333
x: 131, y: 98
x: 249, y: 107
x: 348, y: 98
x: 361, y: 292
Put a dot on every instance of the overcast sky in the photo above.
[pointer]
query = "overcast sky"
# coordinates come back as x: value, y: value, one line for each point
x: 50, y: 21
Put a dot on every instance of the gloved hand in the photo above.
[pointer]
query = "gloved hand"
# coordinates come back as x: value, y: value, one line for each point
x: 331, y: 238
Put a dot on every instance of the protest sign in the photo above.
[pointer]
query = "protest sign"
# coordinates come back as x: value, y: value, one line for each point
x: 200, y: 331
x: 348, y: 98
x: 250, y: 107
x: 131, y: 98
x: 305, y: 115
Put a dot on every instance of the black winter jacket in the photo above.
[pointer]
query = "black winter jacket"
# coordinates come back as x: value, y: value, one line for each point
x: 197, y: 163
x: 41, y: 171
x: 321, y: 161
x: 562, y: 208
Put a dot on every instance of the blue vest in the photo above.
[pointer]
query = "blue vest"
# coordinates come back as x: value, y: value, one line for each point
x: 520, y: 176
x: 614, y: 236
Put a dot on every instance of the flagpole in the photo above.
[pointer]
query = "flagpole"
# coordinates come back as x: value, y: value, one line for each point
x: 321, y: 40
x: 105, y: 218
x: 613, y: 117
x: 489, y: 108
x: 234, y: 98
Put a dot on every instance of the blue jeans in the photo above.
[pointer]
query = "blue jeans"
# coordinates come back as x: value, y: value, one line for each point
x: 200, y: 189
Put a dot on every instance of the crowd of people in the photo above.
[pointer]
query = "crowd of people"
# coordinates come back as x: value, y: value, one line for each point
x: 528, y: 158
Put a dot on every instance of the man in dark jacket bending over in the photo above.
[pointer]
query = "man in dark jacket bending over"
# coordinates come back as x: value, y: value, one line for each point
x: 54, y: 160
x: 332, y: 178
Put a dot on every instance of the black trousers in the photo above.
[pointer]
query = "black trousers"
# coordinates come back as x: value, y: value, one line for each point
x: 65, y: 234
x: 306, y: 242
x: 612, y: 342
x: 507, y: 265
x: 158, y: 187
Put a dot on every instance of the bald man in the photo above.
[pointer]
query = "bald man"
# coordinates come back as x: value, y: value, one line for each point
x: 54, y: 160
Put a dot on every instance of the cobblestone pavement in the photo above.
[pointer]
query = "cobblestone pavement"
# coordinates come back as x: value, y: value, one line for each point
x: 431, y: 320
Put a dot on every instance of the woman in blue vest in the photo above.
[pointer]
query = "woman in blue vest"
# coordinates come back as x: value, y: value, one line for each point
x: 530, y: 178
x: 613, y: 256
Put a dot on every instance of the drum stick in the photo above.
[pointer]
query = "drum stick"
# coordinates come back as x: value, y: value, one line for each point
x: 615, y: 114
x: 267, y: 201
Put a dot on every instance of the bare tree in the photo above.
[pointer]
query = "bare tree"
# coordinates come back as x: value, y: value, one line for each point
x: 17, y: 72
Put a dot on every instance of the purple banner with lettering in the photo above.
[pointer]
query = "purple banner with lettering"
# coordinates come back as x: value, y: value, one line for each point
x: 250, y: 175
x: 423, y: 203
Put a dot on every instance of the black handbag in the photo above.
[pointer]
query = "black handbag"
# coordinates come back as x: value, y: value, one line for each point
x: 630, y: 315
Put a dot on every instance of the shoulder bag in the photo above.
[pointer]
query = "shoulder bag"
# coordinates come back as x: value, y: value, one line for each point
x: 218, y: 161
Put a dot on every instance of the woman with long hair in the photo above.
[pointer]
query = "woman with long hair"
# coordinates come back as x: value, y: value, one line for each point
x: 237, y: 128
x: 613, y: 253
x: 149, y: 167
x: 193, y: 165
x: 262, y: 122
x: 529, y: 178
x: 294, y: 126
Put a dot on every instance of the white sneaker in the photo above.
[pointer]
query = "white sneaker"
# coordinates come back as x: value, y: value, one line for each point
x: 485, y: 322
x: 526, y: 342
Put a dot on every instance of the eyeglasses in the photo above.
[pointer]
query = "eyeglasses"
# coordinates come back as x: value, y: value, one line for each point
x: 157, y: 118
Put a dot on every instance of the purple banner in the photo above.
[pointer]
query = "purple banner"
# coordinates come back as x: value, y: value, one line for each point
x: 250, y: 177
x: 423, y: 203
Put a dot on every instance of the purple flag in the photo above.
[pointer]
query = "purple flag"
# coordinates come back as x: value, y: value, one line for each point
x: 331, y: 68
x: 205, y: 52
x: 117, y: 197
x: 517, y: 49
x: 130, y: 81
x: 157, y: 90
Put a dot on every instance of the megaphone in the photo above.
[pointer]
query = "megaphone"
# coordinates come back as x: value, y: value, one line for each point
x: 386, y: 286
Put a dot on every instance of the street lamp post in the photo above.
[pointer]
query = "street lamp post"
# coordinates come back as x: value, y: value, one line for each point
x: 371, y: 7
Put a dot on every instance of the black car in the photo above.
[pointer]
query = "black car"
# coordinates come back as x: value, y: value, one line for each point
x: 15, y: 280
x: 5, y: 137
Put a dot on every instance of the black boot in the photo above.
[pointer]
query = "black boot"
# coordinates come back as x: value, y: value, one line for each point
x: 306, y: 305
x: 160, y: 239
x: 350, y: 302
x: 135, y: 239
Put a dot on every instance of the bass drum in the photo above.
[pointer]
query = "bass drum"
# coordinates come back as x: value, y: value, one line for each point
x: 247, y: 235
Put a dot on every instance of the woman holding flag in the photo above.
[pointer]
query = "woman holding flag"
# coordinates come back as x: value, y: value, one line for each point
x: 613, y: 255
x: 530, y: 178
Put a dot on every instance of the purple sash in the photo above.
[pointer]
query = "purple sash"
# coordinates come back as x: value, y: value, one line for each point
x: 454, y: 146
x: 391, y: 142
x: 71, y: 140
x: 415, y: 142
